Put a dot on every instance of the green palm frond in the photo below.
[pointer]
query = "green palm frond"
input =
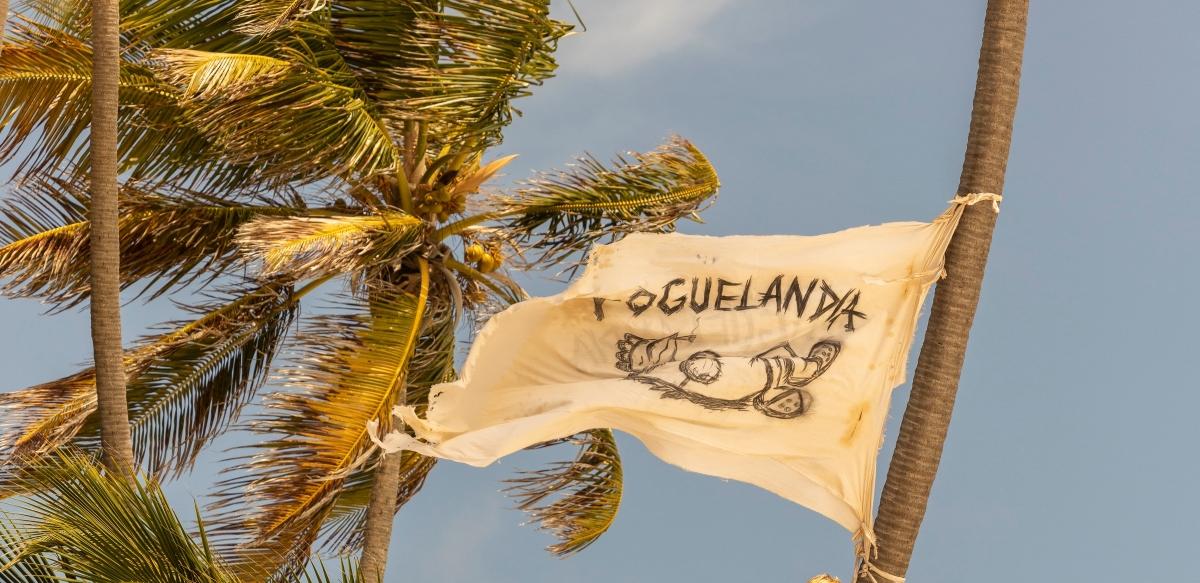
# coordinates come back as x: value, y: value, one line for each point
x: 472, y: 59
x: 70, y: 16
x: 168, y: 240
x: 204, y: 74
x: 17, y: 565
x: 315, y: 246
x: 45, y: 108
x: 194, y: 391
x: 349, y: 371
x: 558, y: 215
x: 82, y: 524
x: 577, y: 501
x: 319, y: 573
x: 185, y: 387
x: 45, y: 73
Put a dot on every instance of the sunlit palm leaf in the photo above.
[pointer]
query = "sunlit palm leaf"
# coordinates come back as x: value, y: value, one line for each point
x: 487, y: 53
x: 309, y: 122
x: 84, y: 525
x: 432, y: 362
x: 559, y: 214
x: 185, y: 387
x: 326, y: 245
x: 17, y: 565
x: 190, y: 394
x: 45, y: 103
x: 577, y: 501
x: 204, y: 74
x: 349, y: 371
x: 319, y: 573
x: 167, y: 241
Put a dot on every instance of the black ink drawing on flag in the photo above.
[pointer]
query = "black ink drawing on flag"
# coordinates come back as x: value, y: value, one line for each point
x: 779, y: 374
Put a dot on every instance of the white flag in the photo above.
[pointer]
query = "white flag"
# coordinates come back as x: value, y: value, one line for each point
x: 769, y: 360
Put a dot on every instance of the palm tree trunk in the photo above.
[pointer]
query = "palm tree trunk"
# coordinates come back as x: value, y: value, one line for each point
x: 927, y: 417
x: 381, y: 513
x: 105, y: 240
x: 385, y: 491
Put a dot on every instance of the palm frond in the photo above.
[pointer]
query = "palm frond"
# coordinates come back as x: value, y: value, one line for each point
x: 17, y: 563
x: 432, y: 362
x: 306, y: 121
x: 319, y: 573
x: 40, y: 419
x: 486, y: 54
x: 185, y: 387
x: 258, y: 17
x: 308, y: 246
x: 167, y: 240
x: 45, y: 108
x: 560, y: 214
x: 343, y: 531
x: 349, y: 371
x: 192, y: 392
x: 577, y: 501
x: 84, y: 524
x: 205, y: 74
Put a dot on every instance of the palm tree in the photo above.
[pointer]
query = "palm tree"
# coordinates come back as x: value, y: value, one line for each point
x: 85, y: 525
x: 927, y: 417
x: 274, y: 149
x: 105, y: 239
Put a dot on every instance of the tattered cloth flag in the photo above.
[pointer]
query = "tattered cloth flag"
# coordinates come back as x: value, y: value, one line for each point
x: 765, y: 359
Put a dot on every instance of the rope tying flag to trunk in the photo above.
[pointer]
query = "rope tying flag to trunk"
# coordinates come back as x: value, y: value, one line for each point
x: 766, y: 359
x: 974, y: 197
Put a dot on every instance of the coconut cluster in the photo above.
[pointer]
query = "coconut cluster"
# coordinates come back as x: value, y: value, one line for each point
x: 486, y: 258
x: 438, y: 201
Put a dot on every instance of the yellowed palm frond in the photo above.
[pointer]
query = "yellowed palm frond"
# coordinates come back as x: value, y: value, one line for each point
x: 471, y: 181
x: 205, y: 74
x: 577, y: 501
x: 432, y: 362
x: 45, y: 80
x: 317, y: 246
x: 259, y: 17
x: 349, y: 369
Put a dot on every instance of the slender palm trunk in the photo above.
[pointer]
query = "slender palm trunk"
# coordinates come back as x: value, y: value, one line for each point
x: 3, y: 17
x: 381, y: 510
x: 105, y: 240
x: 923, y: 430
x: 381, y: 513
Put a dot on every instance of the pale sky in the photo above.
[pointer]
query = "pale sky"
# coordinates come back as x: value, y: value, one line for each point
x: 1071, y: 453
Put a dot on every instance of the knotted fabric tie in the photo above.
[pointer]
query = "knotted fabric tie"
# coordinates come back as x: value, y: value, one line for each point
x: 974, y: 197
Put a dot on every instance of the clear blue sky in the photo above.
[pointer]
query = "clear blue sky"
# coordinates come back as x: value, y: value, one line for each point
x: 1071, y: 452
